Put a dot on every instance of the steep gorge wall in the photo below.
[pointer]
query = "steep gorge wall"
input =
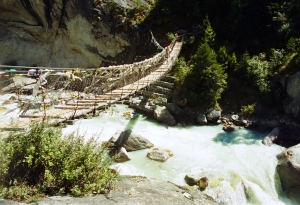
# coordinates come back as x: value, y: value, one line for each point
x: 59, y: 33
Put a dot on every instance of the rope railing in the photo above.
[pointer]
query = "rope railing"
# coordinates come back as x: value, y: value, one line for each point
x: 154, y: 59
x: 88, y: 89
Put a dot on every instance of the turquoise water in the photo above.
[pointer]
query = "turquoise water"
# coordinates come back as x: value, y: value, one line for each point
x: 204, y: 150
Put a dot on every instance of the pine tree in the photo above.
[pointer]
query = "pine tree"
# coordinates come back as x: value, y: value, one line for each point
x: 207, y: 79
x: 209, y: 34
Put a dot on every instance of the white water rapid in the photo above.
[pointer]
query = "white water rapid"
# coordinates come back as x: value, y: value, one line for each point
x: 224, y: 158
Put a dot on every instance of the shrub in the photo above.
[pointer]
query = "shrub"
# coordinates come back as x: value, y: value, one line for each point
x: 41, y: 161
x: 248, y: 110
x: 256, y: 70
x: 293, y: 44
x: 180, y: 69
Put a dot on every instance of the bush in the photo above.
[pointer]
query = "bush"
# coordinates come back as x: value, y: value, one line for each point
x: 180, y: 69
x: 256, y: 70
x: 248, y: 110
x: 40, y: 161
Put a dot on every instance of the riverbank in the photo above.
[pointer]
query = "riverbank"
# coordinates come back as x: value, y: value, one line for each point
x: 134, y: 190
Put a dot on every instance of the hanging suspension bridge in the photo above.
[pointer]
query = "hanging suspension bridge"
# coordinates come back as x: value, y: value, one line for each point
x: 65, y: 96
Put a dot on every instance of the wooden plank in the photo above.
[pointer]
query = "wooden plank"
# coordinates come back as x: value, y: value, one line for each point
x: 71, y: 107
x: 83, y: 104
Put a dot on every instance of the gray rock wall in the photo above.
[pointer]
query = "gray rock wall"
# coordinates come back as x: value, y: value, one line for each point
x: 73, y: 33
x: 291, y: 104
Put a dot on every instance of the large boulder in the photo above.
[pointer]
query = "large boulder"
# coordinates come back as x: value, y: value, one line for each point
x: 130, y: 141
x: 227, y: 189
x: 173, y: 108
x: 122, y: 155
x: 137, y: 142
x: 201, y: 119
x: 213, y: 115
x: 270, y: 138
x: 288, y: 168
x: 162, y: 114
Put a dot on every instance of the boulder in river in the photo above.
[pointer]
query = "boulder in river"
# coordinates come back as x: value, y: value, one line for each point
x: 201, y: 119
x: 270, y: 138
x: 159, y: 155
x: 162, y: 114
x: 130, y: 141
x: 288, y: 168
x: 122, y: 155
x: 213, y: 115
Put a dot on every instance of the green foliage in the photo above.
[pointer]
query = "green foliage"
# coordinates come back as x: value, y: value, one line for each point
x: 225, y: 59
x: 209, y: 34
x: 293, y: 44
x: 256, y: 70
x: 248, y: 110
x: 41, y: 160
x: 206, y: 80
x: 277, y: 58
x: 180, y: 69
x: 171, y: 36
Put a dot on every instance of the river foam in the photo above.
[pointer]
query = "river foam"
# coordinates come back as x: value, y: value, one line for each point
x: 204, y: 150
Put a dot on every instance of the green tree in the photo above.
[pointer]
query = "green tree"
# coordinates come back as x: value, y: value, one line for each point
x: 223, y: 57
x: 206, y: 80
x: 209, y: 34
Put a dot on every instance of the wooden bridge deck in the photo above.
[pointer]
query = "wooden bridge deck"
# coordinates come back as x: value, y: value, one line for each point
x: 62, y: 113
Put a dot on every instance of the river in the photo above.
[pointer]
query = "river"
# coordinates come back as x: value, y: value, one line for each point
x: 197, y: 149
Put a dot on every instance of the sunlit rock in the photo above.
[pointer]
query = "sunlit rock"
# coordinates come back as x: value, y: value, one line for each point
x: 137, y: 142
x: 288, y: 168
x: 203, y: 183
x: 130, y: 141
x: 234, y: 117
x: 122, y: 155
x: 270, y: 138
x: 159, y: 155
x: 230, y: 190
x: 162, y: 114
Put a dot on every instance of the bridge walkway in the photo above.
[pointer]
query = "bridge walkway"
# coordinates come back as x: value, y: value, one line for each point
x: 84, y: 107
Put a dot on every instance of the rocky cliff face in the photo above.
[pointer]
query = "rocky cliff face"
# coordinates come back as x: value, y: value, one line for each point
x: 63, y: 33
x: 287, y: 90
